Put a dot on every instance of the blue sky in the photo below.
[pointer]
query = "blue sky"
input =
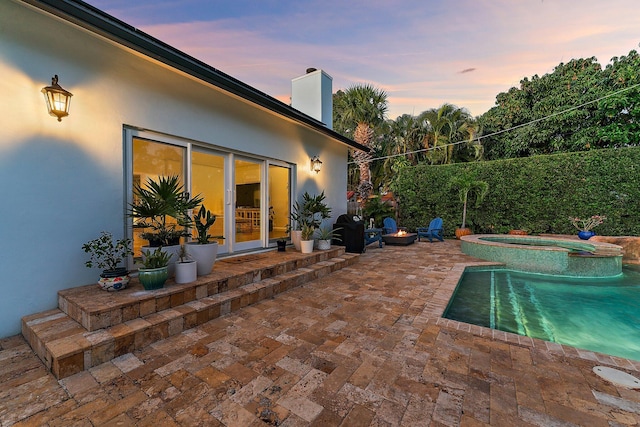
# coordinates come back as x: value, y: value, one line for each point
x: 423, y: 53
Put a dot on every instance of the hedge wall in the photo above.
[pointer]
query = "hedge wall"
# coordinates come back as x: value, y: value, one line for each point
x: 537, y: 194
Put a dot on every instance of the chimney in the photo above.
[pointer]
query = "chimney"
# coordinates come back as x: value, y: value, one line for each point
x: 312, y: 95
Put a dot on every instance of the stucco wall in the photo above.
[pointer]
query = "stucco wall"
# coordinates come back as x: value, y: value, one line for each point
x: 63, y: 183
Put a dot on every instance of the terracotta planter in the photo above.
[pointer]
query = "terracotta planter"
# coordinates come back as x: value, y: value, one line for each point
x: 518, y: 232
x: 463, y: 232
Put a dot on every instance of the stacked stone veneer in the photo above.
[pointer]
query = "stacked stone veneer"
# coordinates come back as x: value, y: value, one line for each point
x: 91, y: 326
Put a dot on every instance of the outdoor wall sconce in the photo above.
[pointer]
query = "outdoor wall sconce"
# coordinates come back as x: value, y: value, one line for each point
x: 316, y: 164
x: 58, y: 99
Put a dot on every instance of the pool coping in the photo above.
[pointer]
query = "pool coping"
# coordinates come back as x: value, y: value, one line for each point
x: 435, y: 309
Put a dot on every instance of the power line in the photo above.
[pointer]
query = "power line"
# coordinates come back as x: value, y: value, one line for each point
x: 504, y: 130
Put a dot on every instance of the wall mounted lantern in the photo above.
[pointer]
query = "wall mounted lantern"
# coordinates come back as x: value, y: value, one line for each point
x: 316, y: 164
x: 57, y: 98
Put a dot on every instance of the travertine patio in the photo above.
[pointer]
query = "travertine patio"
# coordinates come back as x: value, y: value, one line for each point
x: 362, y: 346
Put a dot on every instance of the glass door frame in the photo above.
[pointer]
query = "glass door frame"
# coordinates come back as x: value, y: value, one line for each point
x: 230, y: 245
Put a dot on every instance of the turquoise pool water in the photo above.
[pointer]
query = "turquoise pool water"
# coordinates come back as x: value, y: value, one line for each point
x: 601, y: 314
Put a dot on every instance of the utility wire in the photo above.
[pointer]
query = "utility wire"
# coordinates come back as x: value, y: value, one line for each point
x: 504, y: 130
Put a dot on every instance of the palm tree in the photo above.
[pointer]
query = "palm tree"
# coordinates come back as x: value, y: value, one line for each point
x: 359, y: 110
x: 446, y: 125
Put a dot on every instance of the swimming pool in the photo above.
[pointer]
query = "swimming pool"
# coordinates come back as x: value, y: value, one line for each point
x: 600, y: 314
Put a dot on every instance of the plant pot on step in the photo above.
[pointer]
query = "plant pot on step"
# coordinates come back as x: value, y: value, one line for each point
x: 306, y: 246
x: 204, y: 254
x: 296, y: 238
x: 172, y: 251
x: 282, y: 245
x: 186, y: 271
x: 324, y: 245
x: 463, y: 232
x: 153, y: 278
x: 114, y: 280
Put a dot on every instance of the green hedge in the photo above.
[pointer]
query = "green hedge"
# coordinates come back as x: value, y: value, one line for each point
x: 537, y: 194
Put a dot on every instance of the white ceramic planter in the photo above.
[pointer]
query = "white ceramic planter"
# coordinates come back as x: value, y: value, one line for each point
x: 186, y: 272
x: 306, y: 246
x: 204, y: 255
x: 295, y: 238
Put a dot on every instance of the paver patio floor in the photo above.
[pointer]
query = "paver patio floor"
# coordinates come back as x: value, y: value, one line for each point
x: 362, y: 347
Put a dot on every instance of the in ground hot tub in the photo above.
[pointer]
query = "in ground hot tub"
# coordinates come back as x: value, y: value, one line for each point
x: 534, y: 254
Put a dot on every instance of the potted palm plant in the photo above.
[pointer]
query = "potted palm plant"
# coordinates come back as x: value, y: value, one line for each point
x: 107, y: 255
x: 203, y: 250
x: 467, y: 185
x: 161, y: 209
x: 186, y: 267
x: 155, y: 268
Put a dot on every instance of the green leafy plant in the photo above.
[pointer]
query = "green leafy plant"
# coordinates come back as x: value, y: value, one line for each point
x: 328, y: 233
x: 467, y: 185
x: 105, y: 253
x: 378, y: 210
x: 307, y: 232
x: 311, y: 211
x: 203, y: 220
x: 156, y: 259
x: 162, y: 207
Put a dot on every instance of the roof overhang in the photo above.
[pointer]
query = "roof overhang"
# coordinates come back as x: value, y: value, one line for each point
x: 105, y: 25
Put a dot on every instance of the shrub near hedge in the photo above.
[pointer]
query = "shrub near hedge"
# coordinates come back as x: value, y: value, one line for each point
x: 537, y: 194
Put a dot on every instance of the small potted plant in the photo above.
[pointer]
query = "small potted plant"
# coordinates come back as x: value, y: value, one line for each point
x: 186, y: 268
x: 203, y: 250
x: 585, y: 226
x: 325, y: 235
x: 107, y: 255
x: 154, y: 271
x: 467, y: 185
x: 161, y: 209
x: 306, y: 239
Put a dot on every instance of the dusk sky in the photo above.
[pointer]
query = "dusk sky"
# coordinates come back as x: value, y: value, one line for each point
x: 423, y: 53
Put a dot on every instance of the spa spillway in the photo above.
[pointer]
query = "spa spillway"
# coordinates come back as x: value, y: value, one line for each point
x: 546, y: 255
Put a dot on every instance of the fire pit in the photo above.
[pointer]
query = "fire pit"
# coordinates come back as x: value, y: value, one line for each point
x: 401, y: 238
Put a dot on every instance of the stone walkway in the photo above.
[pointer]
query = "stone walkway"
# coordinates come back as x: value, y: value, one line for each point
x: 362, y: 347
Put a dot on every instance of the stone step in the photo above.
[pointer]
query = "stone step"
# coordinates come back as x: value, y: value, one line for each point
x: 66, y: 347
x: 98, y: 310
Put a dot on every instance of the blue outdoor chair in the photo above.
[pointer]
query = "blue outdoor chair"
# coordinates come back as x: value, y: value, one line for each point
x: 390, y: 226
x: 435, y: 230
x: 372, y: 235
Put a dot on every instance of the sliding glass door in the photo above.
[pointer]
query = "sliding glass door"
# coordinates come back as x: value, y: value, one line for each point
x: 208, y: 177
x: 247, y: 177
x: 250, y: 197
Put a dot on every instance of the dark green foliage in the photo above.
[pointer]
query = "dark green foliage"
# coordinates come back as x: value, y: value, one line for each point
x: 577, y: 107
x: 537, y: 194
x: 378, y: 210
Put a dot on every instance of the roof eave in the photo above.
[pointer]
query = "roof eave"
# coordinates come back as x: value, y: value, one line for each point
x: 99, y: 22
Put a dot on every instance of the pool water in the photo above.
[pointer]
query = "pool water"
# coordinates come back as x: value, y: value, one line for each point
x: 601, y: 314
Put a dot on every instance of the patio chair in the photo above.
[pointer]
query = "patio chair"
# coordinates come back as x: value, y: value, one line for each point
x: 435, y: 230
x: 390, y: 226
x: 372, y: 235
